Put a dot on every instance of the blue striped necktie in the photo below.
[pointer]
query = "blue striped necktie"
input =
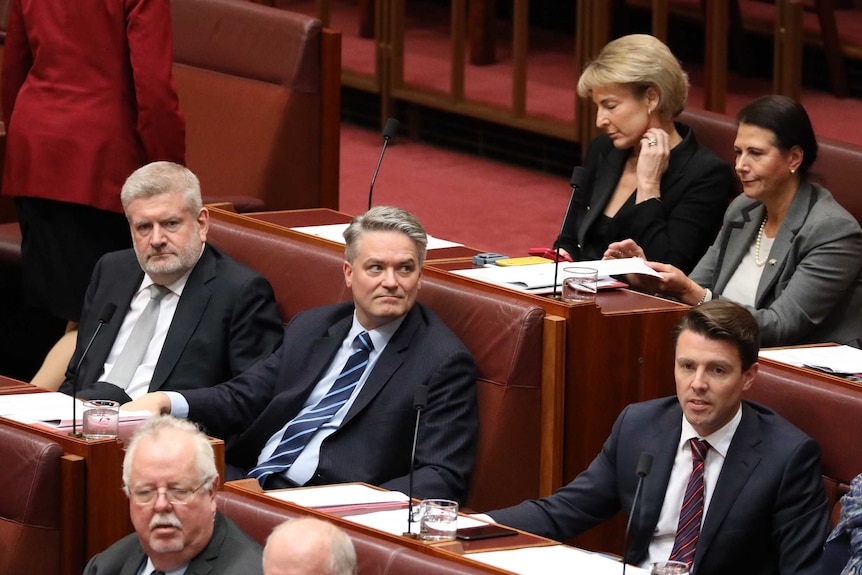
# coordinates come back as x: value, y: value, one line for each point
x: 691, y: 513
x: 302, y: 428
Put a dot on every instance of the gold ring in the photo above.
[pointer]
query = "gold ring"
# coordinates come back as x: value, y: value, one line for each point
x: 652, y: 142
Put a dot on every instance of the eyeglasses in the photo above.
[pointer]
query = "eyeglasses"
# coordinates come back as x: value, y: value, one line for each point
x: 175, y: 495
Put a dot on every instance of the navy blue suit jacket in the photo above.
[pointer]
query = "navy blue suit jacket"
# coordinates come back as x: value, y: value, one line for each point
x: 374, y: 442
x: 768, y: 513
x: 225, y: 321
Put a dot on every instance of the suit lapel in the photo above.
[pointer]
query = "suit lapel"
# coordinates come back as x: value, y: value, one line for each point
x: 205, y: 561
x: 793, y: 221
x: 390, y: 360
x: 742, y: 458
x: 135, y: 561
x: 736, y: 242
x: 190, y: 309
x: 607, y: 174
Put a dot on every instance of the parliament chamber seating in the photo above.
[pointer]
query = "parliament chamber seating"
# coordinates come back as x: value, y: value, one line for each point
x: 827, y: 409
x: 838, y: 166
x: 260, y: 91
x: 375, y: 556
x: 504, y: 334
x: 40, y: 513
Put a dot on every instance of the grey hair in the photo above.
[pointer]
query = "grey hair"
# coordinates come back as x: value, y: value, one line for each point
x: 160, y: 178
x: 385, y: 219
x: 153, y: 427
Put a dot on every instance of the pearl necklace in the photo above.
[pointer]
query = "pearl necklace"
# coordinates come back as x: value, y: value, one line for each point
x: 757, y: 259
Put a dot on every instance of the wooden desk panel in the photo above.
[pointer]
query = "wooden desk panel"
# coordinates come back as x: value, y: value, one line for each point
x: 106, y: 516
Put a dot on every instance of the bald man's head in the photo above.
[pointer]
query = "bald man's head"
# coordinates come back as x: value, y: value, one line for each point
x: 308, y: 546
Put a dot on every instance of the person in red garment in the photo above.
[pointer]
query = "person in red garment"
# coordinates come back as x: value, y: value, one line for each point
x: 88, y: 98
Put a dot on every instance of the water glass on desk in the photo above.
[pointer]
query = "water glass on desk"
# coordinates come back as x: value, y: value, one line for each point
x: 438, y: 519
x: 101, y: 419
x: 580, y: 284
x: 669, y: 568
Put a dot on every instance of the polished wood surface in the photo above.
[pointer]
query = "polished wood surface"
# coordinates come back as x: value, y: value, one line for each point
x: 604, y: 355
x: 452, y: 551
x: 105, y: 506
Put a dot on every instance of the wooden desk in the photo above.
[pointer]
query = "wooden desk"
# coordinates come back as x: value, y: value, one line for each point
x: 607, y: 355
x: 106, y: 508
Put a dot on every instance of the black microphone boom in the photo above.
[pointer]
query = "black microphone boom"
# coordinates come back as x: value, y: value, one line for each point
x: 389, y: 132
x: 420, y: 399
x: 576, y: 182
x: 104, y: 317
x: 644, y: 467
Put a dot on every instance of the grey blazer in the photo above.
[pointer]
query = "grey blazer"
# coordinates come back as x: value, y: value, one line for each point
x: 811, y: 287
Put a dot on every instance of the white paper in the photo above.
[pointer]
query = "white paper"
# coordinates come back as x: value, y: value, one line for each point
x: 333, y: 232
x: 552, y: 560
x: 52, y: 408
x: 333, y: 495
x: 394, y: 521
x: 840, y: 359
x: 541, y: 276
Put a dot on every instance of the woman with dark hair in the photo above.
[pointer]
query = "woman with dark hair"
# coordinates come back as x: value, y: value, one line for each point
x: 647, y: 178
x: 787, y: 250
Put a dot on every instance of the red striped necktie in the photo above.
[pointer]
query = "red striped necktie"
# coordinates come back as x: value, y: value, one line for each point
x: 691, y: 514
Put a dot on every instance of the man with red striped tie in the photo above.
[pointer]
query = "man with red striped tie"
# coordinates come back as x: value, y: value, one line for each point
x: 733, y: 488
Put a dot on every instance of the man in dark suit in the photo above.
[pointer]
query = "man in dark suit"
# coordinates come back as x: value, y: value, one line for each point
x: 169, y: 474
x: 266, y: 412
x: 763, y: 507
x: 215, y: 319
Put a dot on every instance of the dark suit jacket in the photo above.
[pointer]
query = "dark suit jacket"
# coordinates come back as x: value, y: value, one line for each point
x: 229, y: 552
x: 677, y: 230
x: 811, y: 287
x: 768, y: 513
x: 225, y: 321
x: 374, y: 442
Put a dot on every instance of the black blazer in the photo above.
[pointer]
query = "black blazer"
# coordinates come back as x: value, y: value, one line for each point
x: 695, y: 190
x: 374, y: 442
x: 225, y: 321
x: 230, y: 551
x: 768, y: 513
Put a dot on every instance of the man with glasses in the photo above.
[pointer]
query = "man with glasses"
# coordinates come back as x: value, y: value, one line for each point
x: 170, y: 476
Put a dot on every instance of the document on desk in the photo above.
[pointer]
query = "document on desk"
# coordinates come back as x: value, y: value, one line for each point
x: 54, y: 410
x: 836, y: 359
x: 552, y: 560
x: 539, y: 278
x: 342, y: 496
x: 394, y: 521
x: 333, y: 233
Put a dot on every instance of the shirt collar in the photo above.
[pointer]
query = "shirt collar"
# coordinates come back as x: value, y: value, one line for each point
x: 720, y: 440
x: 380, y: 336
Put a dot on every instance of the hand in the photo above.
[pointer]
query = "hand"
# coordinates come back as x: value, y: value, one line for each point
x: 156, y: 403
x: 564, y: 254
x: 676, y: 284
x: 652, y: 163
x: 624, y: 249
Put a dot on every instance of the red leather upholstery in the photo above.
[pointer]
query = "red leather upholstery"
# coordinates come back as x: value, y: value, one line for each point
x: 504, y: 334
x: 250, y: 82
x: 829, y: 411
x: 30, y: 507
x: 374, y: 556
x: 837, y: 167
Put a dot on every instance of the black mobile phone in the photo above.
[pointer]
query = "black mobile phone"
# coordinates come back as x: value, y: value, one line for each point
x: 483, y: 532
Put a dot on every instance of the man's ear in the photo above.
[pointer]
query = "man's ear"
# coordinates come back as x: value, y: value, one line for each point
x: 749, y: 376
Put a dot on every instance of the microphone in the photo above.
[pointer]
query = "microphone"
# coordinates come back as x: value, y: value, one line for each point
x: 643, y: 469
x: 420, y: 399
x: 389, y: 132
x: 107, y: 313
x: 576, y: 181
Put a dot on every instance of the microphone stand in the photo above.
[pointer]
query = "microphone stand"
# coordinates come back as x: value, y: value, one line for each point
x: 389, y: 132
x: 419, y: 401
x: 644, y: 467
x: 575, y: 182
x: 106, y: 315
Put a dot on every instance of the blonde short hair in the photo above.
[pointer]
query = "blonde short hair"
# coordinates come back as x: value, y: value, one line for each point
x: 639, y: 61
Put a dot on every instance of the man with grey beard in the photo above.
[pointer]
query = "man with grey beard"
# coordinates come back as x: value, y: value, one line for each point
x: 188, y: 315
x: 170, y: 477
